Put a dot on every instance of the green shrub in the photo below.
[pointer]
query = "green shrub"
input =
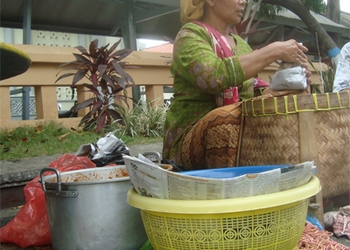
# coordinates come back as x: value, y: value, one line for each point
x: 144, y: 120
x: 52, y: 138
x: 326, y: 77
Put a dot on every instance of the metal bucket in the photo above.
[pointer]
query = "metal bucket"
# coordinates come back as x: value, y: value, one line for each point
x: 87, y: 210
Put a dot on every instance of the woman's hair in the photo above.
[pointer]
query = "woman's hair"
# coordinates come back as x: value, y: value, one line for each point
x: 191, y: 10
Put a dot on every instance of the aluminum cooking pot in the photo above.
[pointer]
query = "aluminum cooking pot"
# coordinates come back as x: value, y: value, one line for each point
x: 87, y: 210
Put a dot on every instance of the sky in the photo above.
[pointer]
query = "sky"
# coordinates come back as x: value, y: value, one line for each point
x: 345, y: 5
x: 147, y: 43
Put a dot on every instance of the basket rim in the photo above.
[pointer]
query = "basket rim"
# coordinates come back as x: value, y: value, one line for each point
x: 225, y: 205
x: 293, y: 104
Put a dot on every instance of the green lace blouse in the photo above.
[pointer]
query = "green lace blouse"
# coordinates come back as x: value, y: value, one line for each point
x: 199, y: 75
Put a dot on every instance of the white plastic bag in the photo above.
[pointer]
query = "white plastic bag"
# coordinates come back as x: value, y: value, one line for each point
x: 107, y: 150
x: 289, y: 78
x: 342, y: 75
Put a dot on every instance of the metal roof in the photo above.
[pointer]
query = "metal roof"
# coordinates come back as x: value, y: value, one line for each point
x: 154, y: 19
x: 328, y: 24
x: 345, y: 18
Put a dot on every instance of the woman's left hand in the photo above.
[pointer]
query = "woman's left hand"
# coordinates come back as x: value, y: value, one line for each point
x: 308, y: 76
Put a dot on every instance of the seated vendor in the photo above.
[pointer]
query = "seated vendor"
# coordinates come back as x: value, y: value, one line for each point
x: 213, y: 71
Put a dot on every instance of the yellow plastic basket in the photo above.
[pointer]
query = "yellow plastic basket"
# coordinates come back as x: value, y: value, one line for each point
x: 272, y: 221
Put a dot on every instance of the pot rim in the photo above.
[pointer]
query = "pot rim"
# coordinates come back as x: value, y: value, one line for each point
x: 48, y: 178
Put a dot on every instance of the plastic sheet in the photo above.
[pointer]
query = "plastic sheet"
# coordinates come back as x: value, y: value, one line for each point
x: 30, y: 227
x: 342, y: 76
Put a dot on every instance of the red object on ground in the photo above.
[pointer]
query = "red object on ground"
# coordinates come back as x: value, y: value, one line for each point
x: 30, y: 227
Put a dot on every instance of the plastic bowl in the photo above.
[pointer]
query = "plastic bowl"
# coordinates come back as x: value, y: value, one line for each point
x: 271, y: 221
x: 222, y: 173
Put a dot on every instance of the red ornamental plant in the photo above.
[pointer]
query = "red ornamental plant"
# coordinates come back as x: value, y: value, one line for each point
x: 105, y: 72
x: 241, y: 28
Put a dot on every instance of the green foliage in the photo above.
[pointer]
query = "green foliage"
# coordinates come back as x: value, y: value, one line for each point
x: 269, y: 11
x: 44, y: 139
x: 144, y: 120
x: 317, y: 6
x: 327, y: 77
x: 107, y: 80
x: 52, y: 138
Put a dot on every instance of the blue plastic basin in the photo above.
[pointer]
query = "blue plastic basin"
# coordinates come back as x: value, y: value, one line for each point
x: 221, y: 173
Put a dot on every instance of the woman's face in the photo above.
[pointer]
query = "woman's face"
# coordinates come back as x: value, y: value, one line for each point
x: 230, y: 11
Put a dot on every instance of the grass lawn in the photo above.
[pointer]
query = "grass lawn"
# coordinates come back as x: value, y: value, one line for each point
x: 52, y: 138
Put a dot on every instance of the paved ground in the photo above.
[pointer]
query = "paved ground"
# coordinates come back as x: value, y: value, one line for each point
x: 22, y: 170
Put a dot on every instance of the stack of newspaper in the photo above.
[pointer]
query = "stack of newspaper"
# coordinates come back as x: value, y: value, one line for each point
x: 149, y: 179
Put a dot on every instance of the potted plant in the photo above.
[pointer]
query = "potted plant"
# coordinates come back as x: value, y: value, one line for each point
x: 104, y: 71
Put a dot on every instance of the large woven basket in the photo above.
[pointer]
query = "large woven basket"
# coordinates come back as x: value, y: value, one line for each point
x: 298, y: 128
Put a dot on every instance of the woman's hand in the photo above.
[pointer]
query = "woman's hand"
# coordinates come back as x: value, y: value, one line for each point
x: 293, y: 52
x: 308, y: 76
x: 288, y: 51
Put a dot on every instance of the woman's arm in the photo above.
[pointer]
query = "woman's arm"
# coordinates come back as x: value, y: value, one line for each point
x: 195, y: 60
x: 288, y: 51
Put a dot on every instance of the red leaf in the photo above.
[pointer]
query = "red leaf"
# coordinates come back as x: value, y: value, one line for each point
x: 81, y: 59
x: 103, y: 85
x: 113, y: 48
x: 93, y: 47
x: 108, y: 80
x: 119, y: 80
x: 64, y: 76
x: 121, y: 54
x: 116, y: 116
x: 102, y: 69
x: 101, y: 122
x: 82, y: 49
x: 94, y: 79
x: 91, y: 88
x: 119, y: 69
x: 79, y: 75
x: 96, y: 107
x: 130, y: 79
x: 83, y: 104
x: 85, y: 119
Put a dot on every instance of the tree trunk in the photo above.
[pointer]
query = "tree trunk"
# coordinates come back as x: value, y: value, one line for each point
x: 326, y: 43
x: 333, y: 10
x: 333, y: 13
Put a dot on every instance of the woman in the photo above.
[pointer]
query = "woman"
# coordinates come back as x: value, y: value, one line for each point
x: 209, y: 65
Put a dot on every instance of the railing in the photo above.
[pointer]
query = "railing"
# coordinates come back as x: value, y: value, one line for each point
x: 152, y: 71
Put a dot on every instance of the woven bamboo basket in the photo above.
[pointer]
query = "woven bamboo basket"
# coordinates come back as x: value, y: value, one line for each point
x: 298, y: 128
